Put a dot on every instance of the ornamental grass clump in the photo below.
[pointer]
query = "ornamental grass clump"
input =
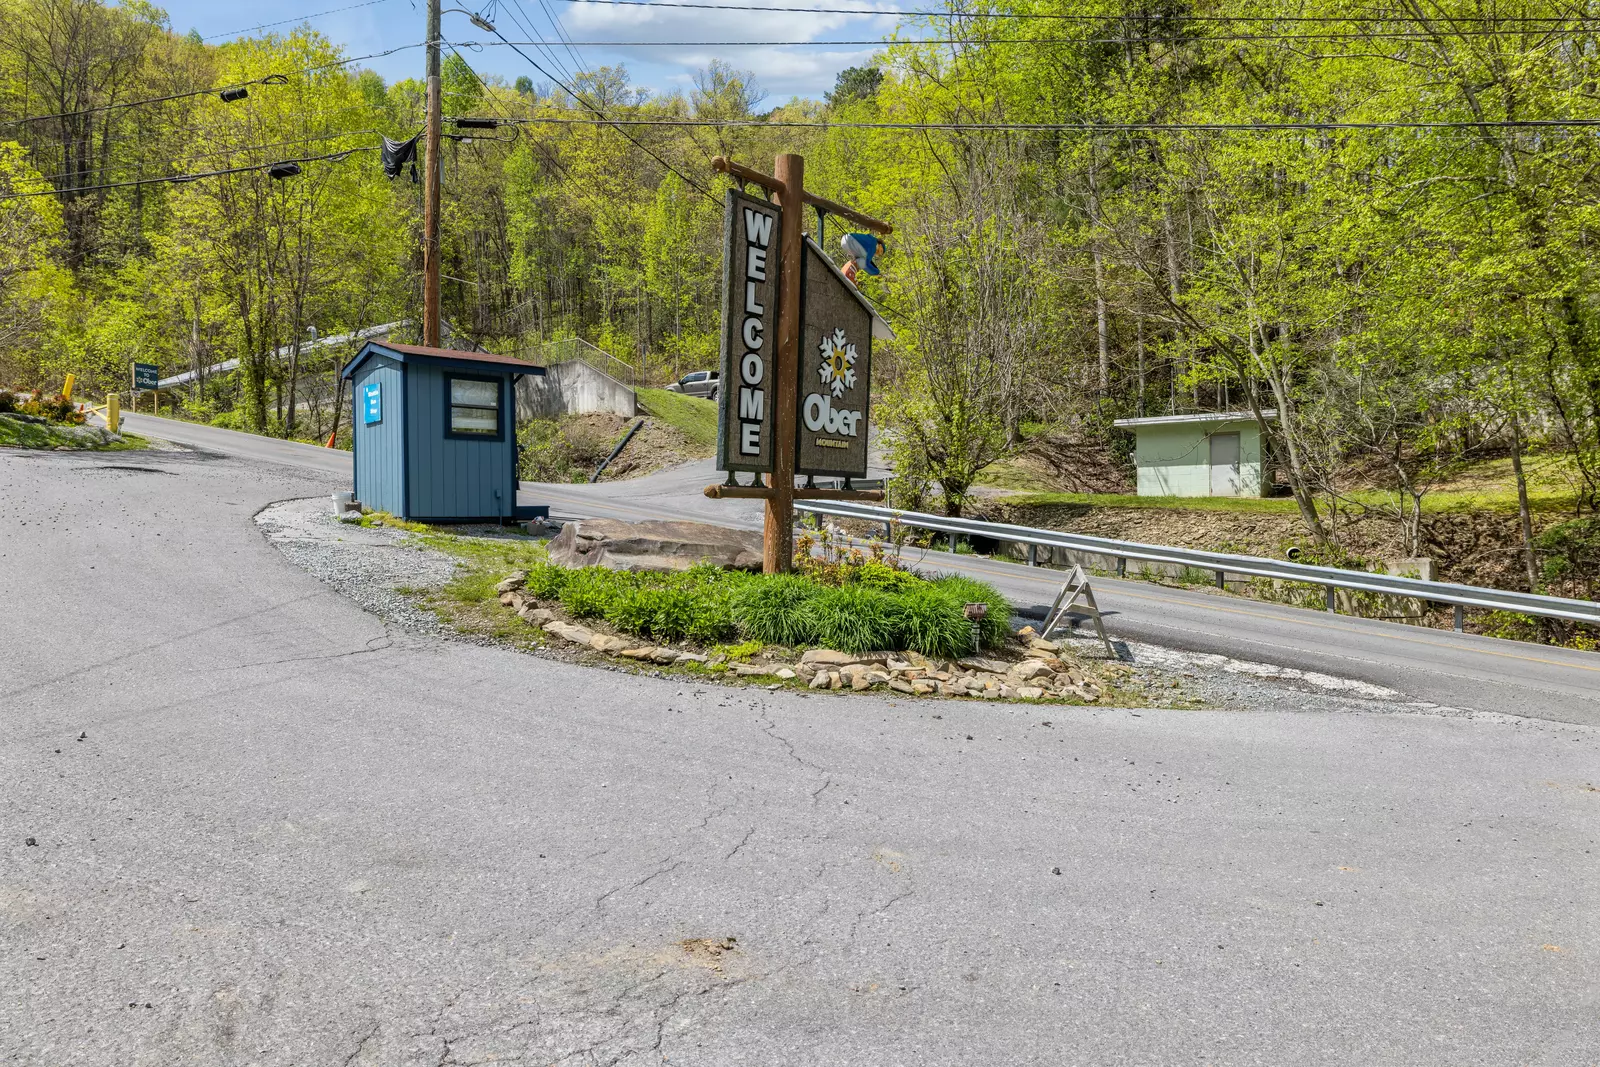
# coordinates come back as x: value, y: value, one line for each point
x: 929, y: 620
x: 852, y: 618
x: 770, y: 609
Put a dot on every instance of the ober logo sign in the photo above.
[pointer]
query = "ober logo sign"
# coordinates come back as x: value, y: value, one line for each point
x: 835, y: 371
x: 749, y: 342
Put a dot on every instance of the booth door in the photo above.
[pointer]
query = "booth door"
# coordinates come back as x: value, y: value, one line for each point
x: 1225, y: 464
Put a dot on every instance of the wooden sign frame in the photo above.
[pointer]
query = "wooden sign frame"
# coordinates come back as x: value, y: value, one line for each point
x: 788, y: 189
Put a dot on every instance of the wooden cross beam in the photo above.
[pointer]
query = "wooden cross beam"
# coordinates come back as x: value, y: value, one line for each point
x: 766, y: 492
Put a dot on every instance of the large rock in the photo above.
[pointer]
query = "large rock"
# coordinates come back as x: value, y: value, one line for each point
x: 657, y: 545
x: 1030, y: 669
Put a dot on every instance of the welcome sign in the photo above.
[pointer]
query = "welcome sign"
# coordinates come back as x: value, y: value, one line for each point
x: 747, y: 389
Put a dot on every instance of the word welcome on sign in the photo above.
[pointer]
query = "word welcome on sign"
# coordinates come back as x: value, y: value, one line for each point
x: 749, y: 340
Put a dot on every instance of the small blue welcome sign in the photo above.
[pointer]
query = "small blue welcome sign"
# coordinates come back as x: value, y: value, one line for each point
x: 372, y: 406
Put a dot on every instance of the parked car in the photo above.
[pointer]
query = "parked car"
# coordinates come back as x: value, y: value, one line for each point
x: 701, y: 383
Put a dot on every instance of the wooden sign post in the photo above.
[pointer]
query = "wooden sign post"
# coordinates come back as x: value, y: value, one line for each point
x: 744, y: 393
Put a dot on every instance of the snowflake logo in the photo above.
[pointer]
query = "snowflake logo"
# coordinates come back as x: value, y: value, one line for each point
x: 838, y: 363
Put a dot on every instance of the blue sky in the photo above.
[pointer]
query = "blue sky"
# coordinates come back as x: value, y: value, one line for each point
x: 380, y: 24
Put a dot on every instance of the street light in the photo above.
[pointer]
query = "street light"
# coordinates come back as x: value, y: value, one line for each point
x: 473, y: 17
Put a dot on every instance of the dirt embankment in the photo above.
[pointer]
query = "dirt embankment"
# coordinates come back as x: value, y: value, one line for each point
x: 1477, y: 548
x: 571, y: 447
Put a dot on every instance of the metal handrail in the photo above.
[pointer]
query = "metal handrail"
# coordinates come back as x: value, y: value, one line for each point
x: 1462, y: 596
x: 576, y: 348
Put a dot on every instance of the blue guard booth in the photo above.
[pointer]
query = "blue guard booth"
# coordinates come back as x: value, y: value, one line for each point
x: 434, y: 433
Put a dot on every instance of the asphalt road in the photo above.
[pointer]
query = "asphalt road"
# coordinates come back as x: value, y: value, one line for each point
x: 268, y: 831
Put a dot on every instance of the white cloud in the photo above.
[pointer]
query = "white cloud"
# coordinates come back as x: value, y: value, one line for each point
x: 783, y: 71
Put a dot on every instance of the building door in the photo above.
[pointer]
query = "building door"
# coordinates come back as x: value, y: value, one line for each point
x: 1224, y: 464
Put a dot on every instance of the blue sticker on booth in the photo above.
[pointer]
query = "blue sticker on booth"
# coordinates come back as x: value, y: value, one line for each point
x: 372, y: 410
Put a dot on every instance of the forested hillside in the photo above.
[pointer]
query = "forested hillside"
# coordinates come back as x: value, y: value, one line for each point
x: 1375, y: 219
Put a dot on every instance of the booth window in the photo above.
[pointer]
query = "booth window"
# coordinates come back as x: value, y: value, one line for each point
x: 474, y: 406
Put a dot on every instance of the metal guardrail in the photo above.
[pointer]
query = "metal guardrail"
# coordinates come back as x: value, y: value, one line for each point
x: 575, y: 348
x: 1330, y: 578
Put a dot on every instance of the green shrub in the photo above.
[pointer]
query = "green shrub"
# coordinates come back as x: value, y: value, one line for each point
x: 53, y: 408
x: 590, y: 592
x: 1571, y: 552
x: 633, y: 610
x: 546, y: 580
x: 852, y: 618
x: 996, y: 625
x: 930, y: 620
x: 769, y: 609
x: 8, y: 401
x: 663, y: 606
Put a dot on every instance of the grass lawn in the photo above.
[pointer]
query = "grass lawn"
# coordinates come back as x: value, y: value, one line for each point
x: 1015, y: 475
x: 695, y: 418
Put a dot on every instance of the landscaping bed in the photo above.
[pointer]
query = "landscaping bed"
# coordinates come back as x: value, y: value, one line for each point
x: 647, y: 619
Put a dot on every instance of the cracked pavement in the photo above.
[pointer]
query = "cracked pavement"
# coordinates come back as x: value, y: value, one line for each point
x: 291, y: 836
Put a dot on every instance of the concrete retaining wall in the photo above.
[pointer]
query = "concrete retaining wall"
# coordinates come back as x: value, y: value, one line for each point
x: 573, y: 388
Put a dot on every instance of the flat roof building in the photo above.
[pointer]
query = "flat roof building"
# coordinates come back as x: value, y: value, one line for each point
x: 1215, y: 453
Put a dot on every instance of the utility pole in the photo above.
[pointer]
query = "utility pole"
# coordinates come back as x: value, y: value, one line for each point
x: 430, y: 189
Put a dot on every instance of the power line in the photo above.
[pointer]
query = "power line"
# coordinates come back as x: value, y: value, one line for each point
x: 561, y: 32
x: 192, y: 157
x: 1380, y: 35
x: 1031, y: 16
x: 266, y: 79
x: 544, y: 46
x: 1082, y: 127
x: 181, y: 178
x: 297, y: 21
x: 604, y: 118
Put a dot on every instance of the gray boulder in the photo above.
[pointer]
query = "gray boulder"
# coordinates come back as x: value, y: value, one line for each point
x: 657, y: 545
